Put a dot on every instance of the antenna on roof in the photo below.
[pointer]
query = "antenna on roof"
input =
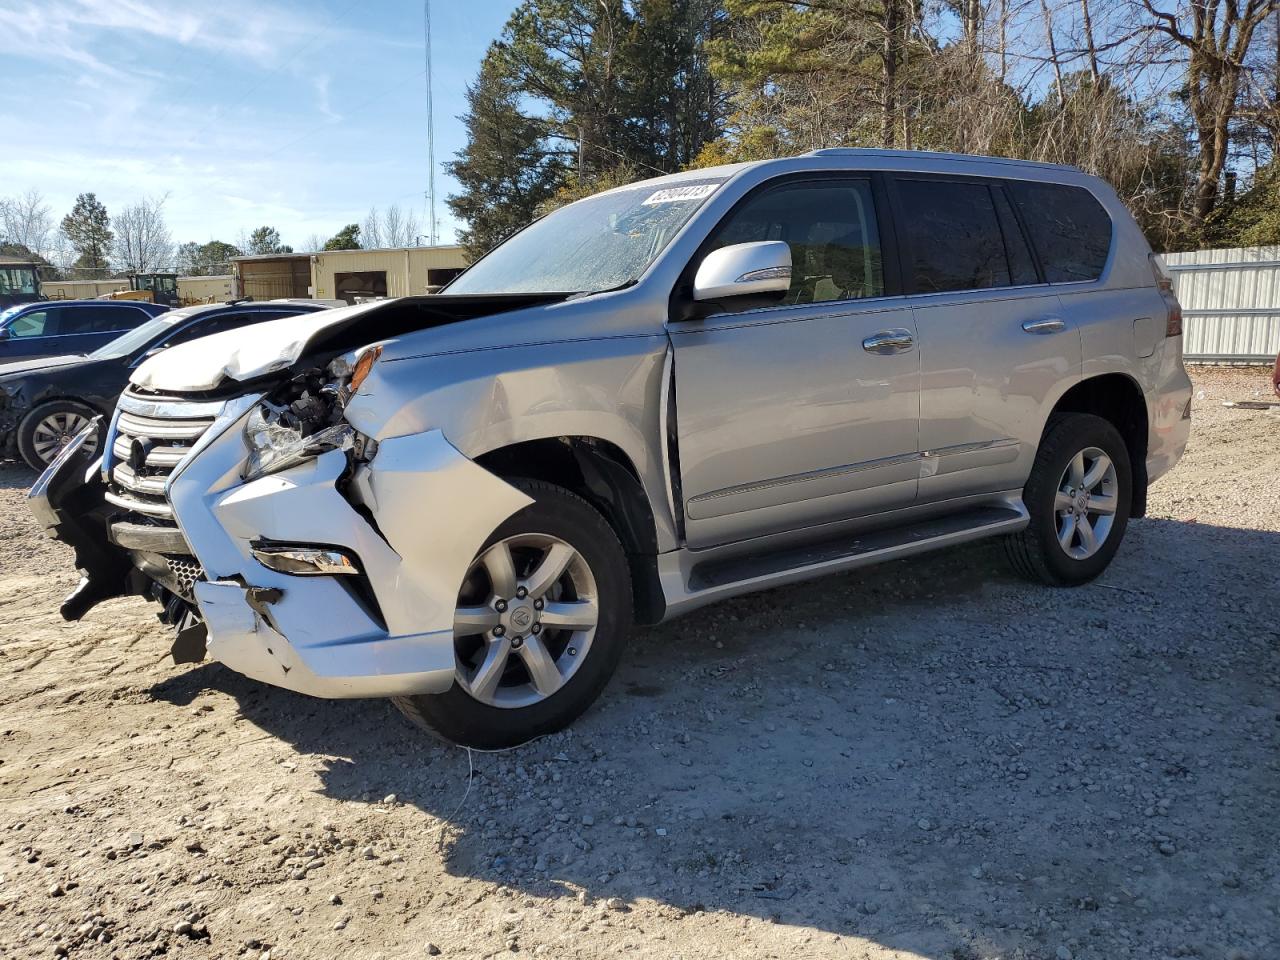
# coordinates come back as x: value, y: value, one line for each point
x: 431, y: 131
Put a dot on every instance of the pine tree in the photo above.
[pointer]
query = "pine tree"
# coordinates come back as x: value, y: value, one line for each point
x: 88, y: 228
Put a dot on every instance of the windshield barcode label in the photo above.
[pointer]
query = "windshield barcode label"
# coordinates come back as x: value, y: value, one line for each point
x: 680, y: 194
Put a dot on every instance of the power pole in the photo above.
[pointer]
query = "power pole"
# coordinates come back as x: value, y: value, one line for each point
x: 431, y: 131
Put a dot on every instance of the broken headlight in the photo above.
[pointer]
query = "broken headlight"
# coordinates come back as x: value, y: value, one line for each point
x: 305, y: 420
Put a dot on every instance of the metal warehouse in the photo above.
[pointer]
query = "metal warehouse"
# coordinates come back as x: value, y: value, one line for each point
x: 349, y: 275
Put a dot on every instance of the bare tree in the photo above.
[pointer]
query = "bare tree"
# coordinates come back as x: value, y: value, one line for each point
x: 142, y: 241
x: 1216, y: 35
x: 314, y: 242
x: 399, y: 227
x: 371, y: 231
x: 27, y: 220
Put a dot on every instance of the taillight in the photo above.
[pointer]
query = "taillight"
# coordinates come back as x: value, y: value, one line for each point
x: 1173, y: 319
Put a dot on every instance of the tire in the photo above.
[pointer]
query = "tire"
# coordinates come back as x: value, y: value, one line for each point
x: 478, y: 711
x: 1053, y: 548
x: 35, y: 436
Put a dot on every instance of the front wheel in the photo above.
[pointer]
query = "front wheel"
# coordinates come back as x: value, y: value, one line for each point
x: 540, y: 625
x: 51, y: 426
x: 1078, y: 495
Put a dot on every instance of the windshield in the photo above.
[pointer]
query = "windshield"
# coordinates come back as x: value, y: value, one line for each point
x: 600, y: 243
x: 17, y: 280
x: 136, y: 339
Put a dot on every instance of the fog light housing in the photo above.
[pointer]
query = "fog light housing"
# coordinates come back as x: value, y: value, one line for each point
x: 300, y: 560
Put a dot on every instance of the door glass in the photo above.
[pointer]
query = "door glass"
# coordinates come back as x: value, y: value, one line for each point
x: 37, y: 323
x: 953, y: 235
x: 1022, y: 268
x: 1069, y: 227
x: 113, y: 319
x: 831, y: 229
x: 82, y: 320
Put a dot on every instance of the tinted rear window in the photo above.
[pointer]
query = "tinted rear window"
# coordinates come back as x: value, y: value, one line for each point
x: 954, y: 236
x: 1068, y: 226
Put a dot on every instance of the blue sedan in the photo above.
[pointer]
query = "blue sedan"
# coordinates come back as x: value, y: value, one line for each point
x: 51, y: 328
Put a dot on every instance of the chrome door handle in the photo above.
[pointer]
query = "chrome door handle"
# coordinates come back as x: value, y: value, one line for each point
x: 886, y: 342
x: 1045, y: 325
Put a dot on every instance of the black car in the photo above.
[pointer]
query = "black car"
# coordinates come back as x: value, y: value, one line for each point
x: 44, y: 403
x: 56, y: 328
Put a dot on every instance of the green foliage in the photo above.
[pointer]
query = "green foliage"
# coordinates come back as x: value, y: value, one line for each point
x: 579, y: 93
x: 348, y: 238
x: 206, y: 259
x: 266, y: 240
x: 506, y: 170
x: 1253, y: 218
x: 88, y: 228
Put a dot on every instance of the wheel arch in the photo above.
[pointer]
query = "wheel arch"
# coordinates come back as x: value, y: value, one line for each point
x: 604, y: 475
x: 1116, y: 398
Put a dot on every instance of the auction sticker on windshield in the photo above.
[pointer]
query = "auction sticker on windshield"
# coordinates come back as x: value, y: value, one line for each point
x: 678, y: 194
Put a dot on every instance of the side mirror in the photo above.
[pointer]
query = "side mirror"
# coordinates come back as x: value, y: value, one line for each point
x: 5, y: 333
x: 744, y: 269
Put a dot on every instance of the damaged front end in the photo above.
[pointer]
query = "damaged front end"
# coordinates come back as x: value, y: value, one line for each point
x: 300, y: 551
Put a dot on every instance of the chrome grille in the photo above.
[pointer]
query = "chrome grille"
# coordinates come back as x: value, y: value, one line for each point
x: 150, y: 437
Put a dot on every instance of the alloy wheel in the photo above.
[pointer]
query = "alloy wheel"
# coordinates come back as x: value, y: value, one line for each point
x: 1085, y: 504
x: 57, y: 430
x: 526, y: 616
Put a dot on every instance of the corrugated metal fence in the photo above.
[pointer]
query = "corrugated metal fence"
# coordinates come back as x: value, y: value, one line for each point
x: 1230, y: 302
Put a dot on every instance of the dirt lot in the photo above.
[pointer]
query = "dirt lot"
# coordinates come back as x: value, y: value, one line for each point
x: 928, y: 761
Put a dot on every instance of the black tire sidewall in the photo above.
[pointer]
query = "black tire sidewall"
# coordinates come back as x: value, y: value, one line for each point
x: 27, y: 428
x: 458, y: 717
x: 1069, y: 436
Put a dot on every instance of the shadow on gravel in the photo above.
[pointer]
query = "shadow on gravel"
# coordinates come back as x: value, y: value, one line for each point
x: 16, y: 476
x: 931, y: 755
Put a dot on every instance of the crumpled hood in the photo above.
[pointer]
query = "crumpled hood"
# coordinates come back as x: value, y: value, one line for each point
x: 274, y: 345
x: 242, y: 354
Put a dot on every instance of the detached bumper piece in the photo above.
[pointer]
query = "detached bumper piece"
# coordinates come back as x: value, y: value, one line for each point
x: 69, y: 501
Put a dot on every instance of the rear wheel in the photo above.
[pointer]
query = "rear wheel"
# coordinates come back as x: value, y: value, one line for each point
x: 1078, y: 495
x: 540, y: 624
x: 50, y: 427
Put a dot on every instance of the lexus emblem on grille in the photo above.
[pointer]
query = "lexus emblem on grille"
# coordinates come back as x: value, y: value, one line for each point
x: 138, y: 451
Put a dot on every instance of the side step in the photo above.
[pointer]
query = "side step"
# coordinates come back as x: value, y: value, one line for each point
x: 713, y: 579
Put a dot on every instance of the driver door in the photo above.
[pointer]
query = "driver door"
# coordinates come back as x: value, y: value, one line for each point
x: 808, y: 412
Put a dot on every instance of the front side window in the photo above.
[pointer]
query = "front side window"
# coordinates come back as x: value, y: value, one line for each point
x: 600, y: 243
x: 36, y: 323
x: 1069, y: 228
x: 954, y: 236
x: 830, y: 226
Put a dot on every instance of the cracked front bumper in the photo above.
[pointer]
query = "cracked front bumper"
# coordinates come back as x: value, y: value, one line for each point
x: 413, y: 518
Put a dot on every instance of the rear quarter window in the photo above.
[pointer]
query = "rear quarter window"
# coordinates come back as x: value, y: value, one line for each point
x: 1069, y: 229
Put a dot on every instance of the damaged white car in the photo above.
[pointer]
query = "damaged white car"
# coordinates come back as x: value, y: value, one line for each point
x: 671, y: 393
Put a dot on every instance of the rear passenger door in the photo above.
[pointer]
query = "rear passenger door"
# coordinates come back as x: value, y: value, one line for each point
x: 995, y: 349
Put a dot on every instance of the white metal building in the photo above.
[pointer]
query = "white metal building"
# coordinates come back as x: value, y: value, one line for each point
x: 1230, y: 303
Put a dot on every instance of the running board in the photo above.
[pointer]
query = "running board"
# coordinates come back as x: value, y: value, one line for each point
x: 715, y: 579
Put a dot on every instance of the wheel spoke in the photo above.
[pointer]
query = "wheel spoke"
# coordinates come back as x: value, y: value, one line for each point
x: 502, y: 571
x: 1087, y: 539
x: 1105, y: 505
x: 1063, y: 501
x: 1066, y: 532
x: 1075, y: 472
x: 542, y: 669
x: 570, y: 615
x: 469, y: 620
x: 1097, y: 471
x: 485, y: 682
x: 550, y: 569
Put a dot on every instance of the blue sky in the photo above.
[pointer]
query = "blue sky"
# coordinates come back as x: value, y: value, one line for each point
x: 296, y: 114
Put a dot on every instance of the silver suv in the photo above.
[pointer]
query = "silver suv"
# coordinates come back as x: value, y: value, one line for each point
x: 667, y: 394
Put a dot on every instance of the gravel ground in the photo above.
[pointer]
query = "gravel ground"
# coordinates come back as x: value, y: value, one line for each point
x: 926, y: 761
